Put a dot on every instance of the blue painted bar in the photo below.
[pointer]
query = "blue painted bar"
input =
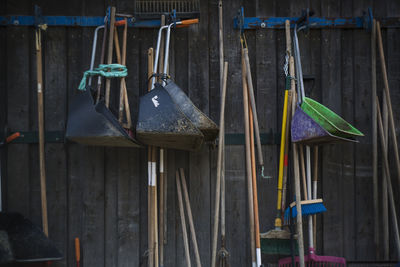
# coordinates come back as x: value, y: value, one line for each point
x: 71, y: 21
x: 314, y: 22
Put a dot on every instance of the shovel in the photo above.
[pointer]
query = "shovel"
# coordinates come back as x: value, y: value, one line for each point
x: 94, y: 124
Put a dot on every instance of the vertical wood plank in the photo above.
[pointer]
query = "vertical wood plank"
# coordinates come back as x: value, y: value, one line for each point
x: 332, y: 161
x: 393, y: 69
x: 55, y: 93
x: 17, y: 48
x: 362, y: 115
x: 199, y: 164
x: 347, y: 151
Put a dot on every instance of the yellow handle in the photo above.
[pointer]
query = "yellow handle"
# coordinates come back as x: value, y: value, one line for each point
x: 282, y: 157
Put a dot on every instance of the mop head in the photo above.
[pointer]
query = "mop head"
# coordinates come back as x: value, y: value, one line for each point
x: 276, y: 242
x: 308, y: 207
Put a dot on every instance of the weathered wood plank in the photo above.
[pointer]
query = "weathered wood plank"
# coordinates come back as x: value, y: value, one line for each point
x: 347, y: 87
x: 332, y: 162
x: 17, y: 49
x: 199, y: 164
x: 362, y: 120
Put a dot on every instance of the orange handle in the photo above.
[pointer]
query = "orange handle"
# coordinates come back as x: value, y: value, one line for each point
x: 12, y: 137
x: 77, y: 250
x: 187, y: 22
x: 119, y: 23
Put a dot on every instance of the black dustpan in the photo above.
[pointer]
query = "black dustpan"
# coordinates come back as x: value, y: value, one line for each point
x: 22, y: 241
x: 94, y: 124
x: 196, y: 116
x: 161, y: 123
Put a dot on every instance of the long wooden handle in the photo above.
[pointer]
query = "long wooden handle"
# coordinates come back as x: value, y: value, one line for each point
x: 299, y: 224
x: 161, y: 211
x: 389, y: 101
x: 303, y: 171
x: 286, y: 154
x: 110, y: 54
x: 183, y: 221
x: 123, y: 100
x: 219, y: 167
x: 190, y: 217
x: 41, y: 132
x: 254, y: 185
x: 248, y: 157
x: 253, y: 105
x: 388, y: 180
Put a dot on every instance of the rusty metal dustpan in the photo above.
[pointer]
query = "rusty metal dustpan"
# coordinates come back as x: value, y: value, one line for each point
x: 196, y: 116
x: 160, y: 120
x: 91, y: 123
x: 314, y: 123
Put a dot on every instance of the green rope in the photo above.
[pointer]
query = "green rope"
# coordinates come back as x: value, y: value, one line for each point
x: 106, y: 70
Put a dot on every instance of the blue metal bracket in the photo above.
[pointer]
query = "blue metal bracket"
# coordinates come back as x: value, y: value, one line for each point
x: 72, y: 21
x: 362, y: 22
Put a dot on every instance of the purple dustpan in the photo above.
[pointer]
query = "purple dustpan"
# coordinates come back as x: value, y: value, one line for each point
x: 306, y: 130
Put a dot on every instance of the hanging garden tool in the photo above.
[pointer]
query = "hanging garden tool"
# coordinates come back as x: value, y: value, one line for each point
x: 277, y: 240
x: 249, y: 82
x: 220, y: 198
x: 91, y: 123
x: 160, y: 120
x: 309, y: 206
x: 20, y: 239
x: 248, y: 161
x: 196, y: 116
x: 313, y: 122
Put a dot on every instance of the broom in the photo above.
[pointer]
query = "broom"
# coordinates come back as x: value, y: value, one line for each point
x: 277, y: 240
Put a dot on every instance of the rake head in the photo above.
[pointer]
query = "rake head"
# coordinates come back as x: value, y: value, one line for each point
x: 312, y: 260
x: 155, y: 8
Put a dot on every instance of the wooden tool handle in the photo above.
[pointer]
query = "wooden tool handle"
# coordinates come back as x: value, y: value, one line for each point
x: 187, y: 23
x: 13, y: 137
x: 77, y: 250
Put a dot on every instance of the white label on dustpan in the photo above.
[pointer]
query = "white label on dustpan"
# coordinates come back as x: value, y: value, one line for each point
x: 161, y: 160
x: 155, y: 101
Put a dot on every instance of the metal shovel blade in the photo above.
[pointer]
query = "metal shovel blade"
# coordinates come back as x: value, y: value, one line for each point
x: 161, y: 123
x: 306, y: 130
x: 95, y: 125
x: 27, y: 241
x: 199, y: 119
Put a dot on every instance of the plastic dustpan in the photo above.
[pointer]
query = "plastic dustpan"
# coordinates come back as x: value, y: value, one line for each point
x: 22, y: 241
x: 312, y: 122
x: 196, y: 116
x: 304, y: 129
x: 328, y: 119
x: 94, y: 124
x: 161, y: 123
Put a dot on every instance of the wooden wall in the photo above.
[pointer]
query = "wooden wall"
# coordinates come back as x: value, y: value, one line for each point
x: 100, y: 194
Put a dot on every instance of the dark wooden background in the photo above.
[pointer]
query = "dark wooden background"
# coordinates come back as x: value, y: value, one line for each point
x: 100, y: 194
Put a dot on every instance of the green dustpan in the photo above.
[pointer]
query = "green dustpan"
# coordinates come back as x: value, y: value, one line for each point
x: 329, y: 120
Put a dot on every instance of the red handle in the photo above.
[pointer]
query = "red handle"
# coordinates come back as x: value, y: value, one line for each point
x: 119, y: 23
x: 13, y: 137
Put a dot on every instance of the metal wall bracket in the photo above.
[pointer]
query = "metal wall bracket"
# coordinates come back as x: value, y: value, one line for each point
x: 362, y: 22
